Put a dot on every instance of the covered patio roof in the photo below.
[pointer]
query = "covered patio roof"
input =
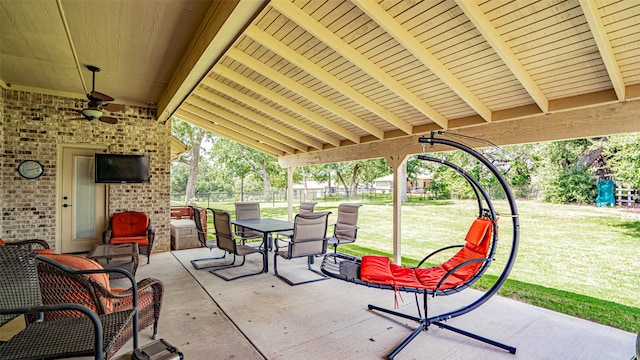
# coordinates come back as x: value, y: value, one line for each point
x: 316, y: 82
x: 307, y: 77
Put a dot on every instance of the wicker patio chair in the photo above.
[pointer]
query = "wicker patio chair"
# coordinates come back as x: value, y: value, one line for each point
x: 94, y: 292
x: 131, y: 226
x: 37, y: 245
x: 309, y: 240
x: 87, y: 335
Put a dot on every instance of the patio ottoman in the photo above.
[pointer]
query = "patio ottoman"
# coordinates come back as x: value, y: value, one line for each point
x: 184, y: 235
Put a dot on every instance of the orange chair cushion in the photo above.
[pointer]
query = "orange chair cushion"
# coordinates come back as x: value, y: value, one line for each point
x: 380, y: 270
x: 43, y: 251
x: 141, y: 240
x: 129, y: 223
x: 376, y: 269
x: 2, y: 242
x: 82, y: 263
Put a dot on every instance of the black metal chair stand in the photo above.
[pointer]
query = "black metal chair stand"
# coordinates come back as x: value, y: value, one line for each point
x: 348, y: 268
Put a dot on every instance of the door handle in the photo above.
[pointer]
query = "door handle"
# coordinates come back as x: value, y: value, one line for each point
x: 66, y: 205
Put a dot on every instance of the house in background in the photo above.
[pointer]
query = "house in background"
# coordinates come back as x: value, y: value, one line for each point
x: 314, y: 189
x: 417, y: 186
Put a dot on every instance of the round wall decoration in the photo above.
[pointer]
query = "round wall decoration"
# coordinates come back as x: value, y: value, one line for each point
x: 30, y: 169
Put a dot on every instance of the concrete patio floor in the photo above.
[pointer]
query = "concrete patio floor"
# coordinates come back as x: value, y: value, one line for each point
x: 262, y: 317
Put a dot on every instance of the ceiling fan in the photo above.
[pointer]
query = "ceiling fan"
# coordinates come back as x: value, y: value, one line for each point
x: 97, y: 102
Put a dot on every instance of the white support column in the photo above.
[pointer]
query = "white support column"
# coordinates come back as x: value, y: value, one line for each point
x: 396, y: 162
x: 290, y: 171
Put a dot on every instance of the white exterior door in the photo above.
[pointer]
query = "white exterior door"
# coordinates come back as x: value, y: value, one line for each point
x: 83, y: 202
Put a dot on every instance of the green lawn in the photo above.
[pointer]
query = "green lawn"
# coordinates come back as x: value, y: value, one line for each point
x: 579, y: 260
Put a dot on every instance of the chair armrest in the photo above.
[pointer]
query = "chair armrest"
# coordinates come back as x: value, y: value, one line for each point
x: 455, y: 268
x: 127, y: 274
x: 30, y: 244
x: 284, y: 240
x: 122, y: 300
x: 353, y: 228
x: 151, y: 235
x: 106, y: 236
x: 436, y: 252
x: 97, y: 324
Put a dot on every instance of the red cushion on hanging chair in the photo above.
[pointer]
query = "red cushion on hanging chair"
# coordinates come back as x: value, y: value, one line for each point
x: 380, y: 270
x: 375, y: 269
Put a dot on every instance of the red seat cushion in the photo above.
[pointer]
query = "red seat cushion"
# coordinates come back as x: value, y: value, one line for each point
x: 141, y: 240
x: 129, y: 223
x: 129, y: 226
x: 376, y: 269
x: 379, y: 270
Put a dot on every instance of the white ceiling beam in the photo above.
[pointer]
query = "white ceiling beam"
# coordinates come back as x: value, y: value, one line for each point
x: 404, y: 37
x: 218, y: 29
x: 264, y: 70
x: 277, y: 98
x: 257, y: 117
x: 590, y: 10
x: 256, y: 133
x: 245, y: 122
x: 321, y: 74
x: 323, y: 34
x: 237, y: 119
x: 224, y: 132
x: 621, y: 117
x: 275, y: 113
x: 490, y: 34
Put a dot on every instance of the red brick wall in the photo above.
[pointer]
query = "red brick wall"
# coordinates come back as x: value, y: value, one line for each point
x: 32, y: 126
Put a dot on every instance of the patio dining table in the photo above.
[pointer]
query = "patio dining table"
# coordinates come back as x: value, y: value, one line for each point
x: 265, y: 226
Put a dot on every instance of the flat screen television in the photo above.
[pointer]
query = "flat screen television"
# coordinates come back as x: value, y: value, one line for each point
x: 117, y: 168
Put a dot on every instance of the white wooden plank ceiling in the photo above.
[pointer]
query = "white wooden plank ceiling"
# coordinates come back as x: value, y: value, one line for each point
x: 314, y: 75
x: 298, y: 78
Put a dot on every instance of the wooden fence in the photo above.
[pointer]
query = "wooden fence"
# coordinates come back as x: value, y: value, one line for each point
x: 627, y: 197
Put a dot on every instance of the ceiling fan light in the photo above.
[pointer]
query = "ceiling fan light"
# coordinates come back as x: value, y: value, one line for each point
x: 92, y: 113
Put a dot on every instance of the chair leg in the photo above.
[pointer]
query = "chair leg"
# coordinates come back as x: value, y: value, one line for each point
x: 197, y: 267
x: 309, y: 261
x: 232, y: 265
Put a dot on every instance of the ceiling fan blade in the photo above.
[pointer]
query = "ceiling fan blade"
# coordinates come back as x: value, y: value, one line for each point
x: 100, y: 96
x: 111, y: 107
x: 108, y: 120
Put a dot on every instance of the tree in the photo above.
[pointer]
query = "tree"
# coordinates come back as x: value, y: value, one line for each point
x: 243, y: 161
x: 191, y: 136
x: 622, y: 154
x: 564, y: 178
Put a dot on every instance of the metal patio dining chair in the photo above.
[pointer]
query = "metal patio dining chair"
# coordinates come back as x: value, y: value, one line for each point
x: 87, y: 335
x: 305, y: 207
x: 206, y: 240
x: 309, y: 240
x: 247, y: 211
x: 227, y: 241
x: 345, y: 229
